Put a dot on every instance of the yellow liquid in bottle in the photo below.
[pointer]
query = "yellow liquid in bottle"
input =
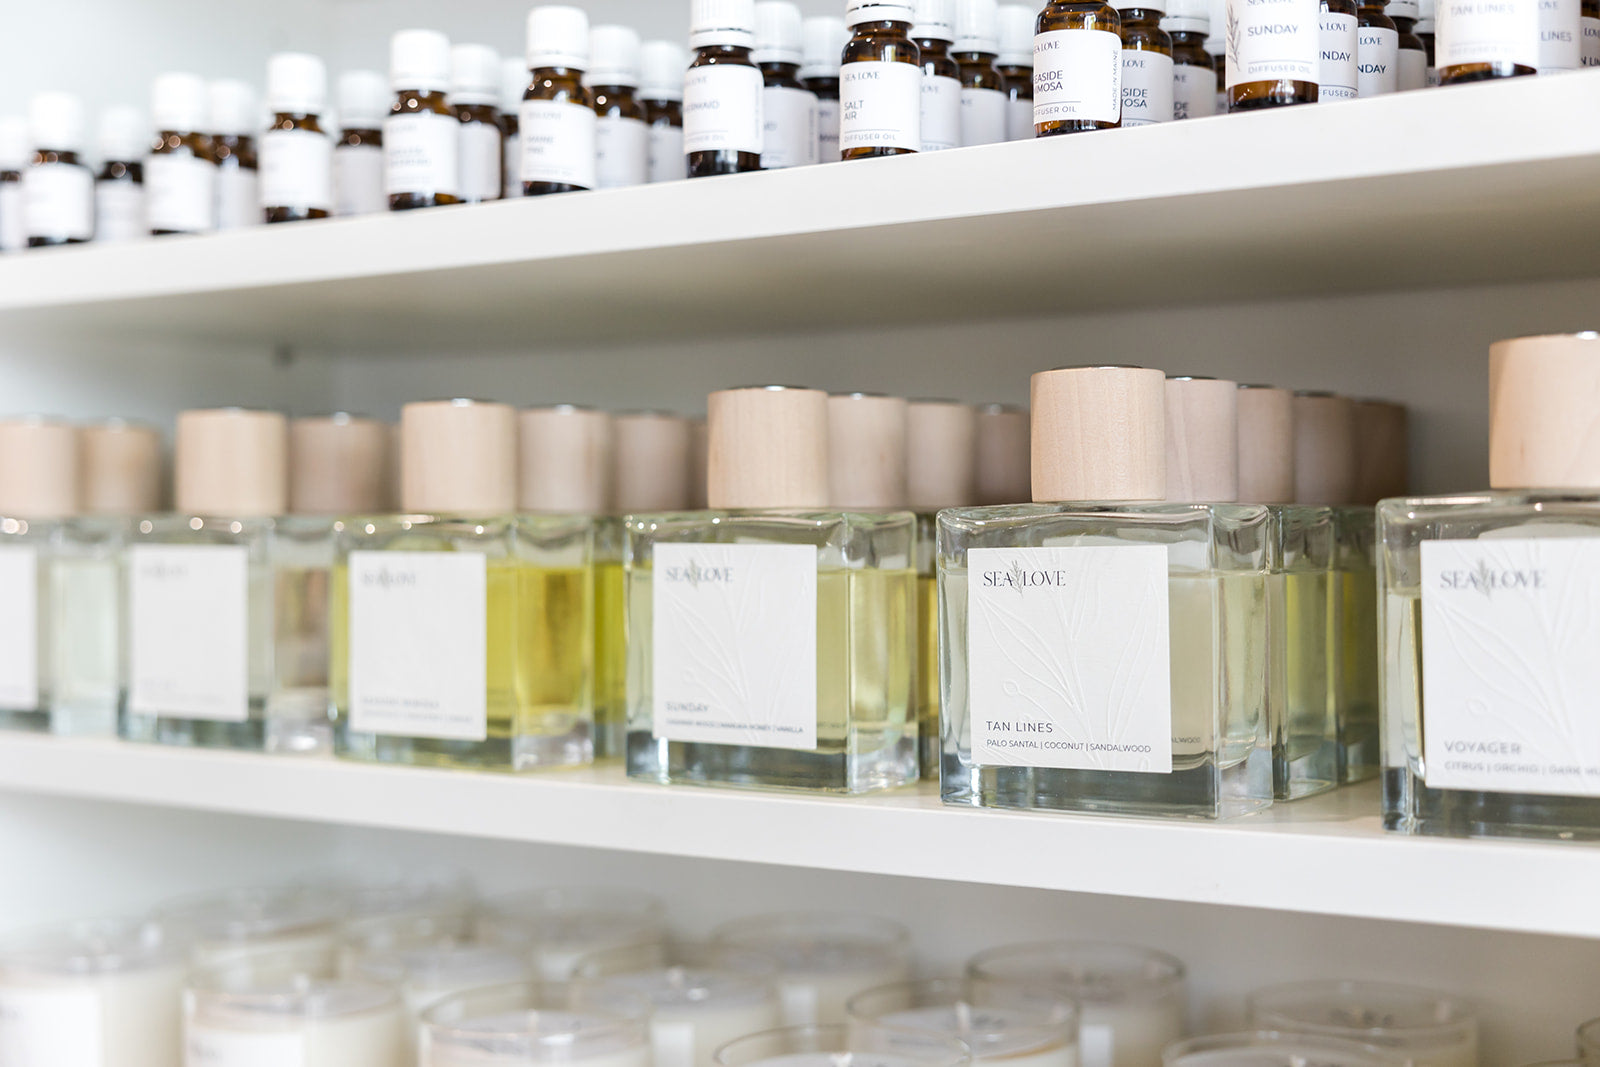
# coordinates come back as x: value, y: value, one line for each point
x: 927, y: 687
x: 1308, y: 646
x: 1357, y: 685
x: 610, y: 660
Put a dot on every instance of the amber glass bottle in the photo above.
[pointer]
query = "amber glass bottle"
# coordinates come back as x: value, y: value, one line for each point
x: 1016, y: 68
x: 825, y: 38
x: 358, y: 153
x: 934, y: 31
x: 296, y: 152
x: 1077, y: 68
x: 880, y: 83
x: 1274, y: 53
x: 1377, y: 50
x: 1146, y: 65
x: 983, y: 90
x: 1411, y: 60
x: 421, y: 155
x: 723, y: 124
x: 1194, y: 79
x: 234, y: 121
x: 181, y: 171
x: 119, y: 187
x: 1482, y: 40
x: 558, y: 124
x: 1336, y: 42
x: 57, y: 201
x: 788, y: 108
x: 662, y: 64
x: 480, y: 144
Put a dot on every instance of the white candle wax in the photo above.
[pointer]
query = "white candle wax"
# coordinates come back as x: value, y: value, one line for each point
x: 321, y: 943
x: 1128, y: 1033
x: 695, y: 1012
x: 121, y: 1018
x: 229, y: 1037
x: 1423, y: 1028
x: 1286, y: 1055
x: 516, y: 1039
x: 839, y: 1059
x: 815, y: 988
x: 997, y: 1036
x: 428, y: 975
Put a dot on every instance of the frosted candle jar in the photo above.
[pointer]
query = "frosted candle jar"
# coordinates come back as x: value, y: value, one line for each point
x: 239, y: 924
x: 562, y: 926
x: 269, y: 1012
x: 1424, y: 1028
x: 536, y: 1023
x: 1132, y: 1002
x: 93, y: 994
x: 824, y: 960
x: 1264, y: 1048
x: 1003, y: 1024
x: 838, y: 1046
x: 427, y: 974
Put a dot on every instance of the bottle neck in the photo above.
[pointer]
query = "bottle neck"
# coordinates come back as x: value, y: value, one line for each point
x: 1140, y: 17
x: 933, y: 47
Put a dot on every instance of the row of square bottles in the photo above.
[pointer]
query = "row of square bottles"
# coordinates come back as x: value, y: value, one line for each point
x: 1153, y: 647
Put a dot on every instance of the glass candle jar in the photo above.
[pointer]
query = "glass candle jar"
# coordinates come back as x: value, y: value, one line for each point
x: 1427, y: 1029
x: 838, y: 1046
x: 428, y: 973
x: 1002, y: 1023
x: 561, y: 926
x: 823, y: 959
x: 1267, y: 1048
x: 536, y: 1023
x: 240, y: 923
x: 1589, y: 1042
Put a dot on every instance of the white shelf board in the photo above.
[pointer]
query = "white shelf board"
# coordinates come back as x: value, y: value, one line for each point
x: 1325, y: 856
x: 1461, y: 185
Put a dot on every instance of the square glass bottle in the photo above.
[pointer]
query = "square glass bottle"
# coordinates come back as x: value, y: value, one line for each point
x: 770, y: 639
x: 1490, y: 723
x: 462, y: 632
x: 1106, y: 655
x: 198, y: 631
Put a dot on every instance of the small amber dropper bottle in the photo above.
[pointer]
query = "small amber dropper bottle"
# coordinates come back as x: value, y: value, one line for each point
x: 296, y: 152
x: 1077, y: 68
x: 420, y: 151
x: 723, y: 122
x: 880, y: 82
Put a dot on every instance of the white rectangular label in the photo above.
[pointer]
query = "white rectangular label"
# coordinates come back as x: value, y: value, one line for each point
x: 1413, y: 68
x: 941, y: 113
x: 722, y: 109
x: 228, y: 1048
x: 119, y: 212
x: 1194, y: 91
x: 13, y: 224
x: 189, y: 631
x: 238, y: 198
x: 1146, y: 87
x: 735, y: 644
x: 1510, y: 630
x: 880, y: 106
x: 983, y: 117
x: 180, y: 193
x: 419, y: 645
x: 1019, y: 118
x: 828, y: 131
x: 297, y: 170
x: 481, y: 154
x: 1336, y: 71
x: 513, y: 167
x: 19, y: 629
x: 58, y: 201
x: 358, y: 180
x: 789, y: 135
x: 1272, y: 40
x: 1589, y: 53
x: 420, y: 155
x: 50, y: 1028
x: 667, y: 161
x: 1560, y: 36
x: 622, y: 152
x: 558, y: 143
x: 1069, y: 660
x: 1487, y: 31
x: 1378, y: 61
x: 1077, y: 76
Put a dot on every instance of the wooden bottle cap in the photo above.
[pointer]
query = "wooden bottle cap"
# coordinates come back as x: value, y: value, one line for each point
x: 565, y: 459
x: 866, y: 452
x: 1544, y: 396
x: 1266, y: 445
x: 1324, y: 449
x: 38, y: 469
x: 121, y: 466
x: 653, y: 451
x: 338, y: 465
x: 1004, y: 455
x: 232, y: 463
x: 767, y: 448
x: 1099, y: 434
x: 1202, y: 440
x: 941, y: 455
x: 1383, y: 451
x: 458, y: 457
x: 699, y: 461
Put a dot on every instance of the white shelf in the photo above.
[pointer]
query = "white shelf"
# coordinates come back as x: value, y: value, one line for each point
x: 1326, y: 856
x: 1471, y: 184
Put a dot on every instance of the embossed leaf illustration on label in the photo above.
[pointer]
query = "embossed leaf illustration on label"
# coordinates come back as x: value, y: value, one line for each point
x: 735, y: 644
x: 1069, y: 657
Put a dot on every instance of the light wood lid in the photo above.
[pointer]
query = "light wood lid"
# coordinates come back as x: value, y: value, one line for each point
x: 768, y: 448
x: 338, y: 465
x: 1004, y: 455
x: 1266, y: 445
x: 1324, y: 449
x: 121, y: 465
x: 232, y: 463
x: 458, y: 457
x: 866, y: 452
x: 1202, y: 440
x: 1544, y: 412
x: 564, y: 455
x: 38, y: 469
x: 1383, y: 451
x: 1099, y: 434
x: 699, y: 461
x: 941, y: 455
x: 653, y: 452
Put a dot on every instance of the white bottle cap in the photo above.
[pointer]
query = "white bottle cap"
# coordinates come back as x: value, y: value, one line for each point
x: 661, y: 68
x: 935, y: 20
x: 1017, y: 25
x: 514, y: 81
x: 978, y: 26
x: 1403, y: 9
x: 1217, y: 13
x: 825, y: 38
x: 297, y: 84
x: 364, y: 99
x: 124, y: 136
x: 1187, y: 16
x: 613, y: 56
x: 474, y: 74
x: 16, y: 147
x: 1425, y: 16
x: 558, y: 36
x: 779, y: 38
x: 419, y: 60
x: 55, y: 121
x: 179, y: 103
x: 725, y: 22
x: 859, y: 11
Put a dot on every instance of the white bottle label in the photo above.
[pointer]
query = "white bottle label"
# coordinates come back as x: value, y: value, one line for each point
x: 420, y: 155
x: 513, y: 167
x: 479, y: 150
x: 1377, y: 61
x: 296, y: 169
x: 1509, y: 670
x: 735, y: 640
x: 722, y: 109
x: 1147, y: 95
x: 19, y: 629
x: 1077, y: 76
x: 1069, y: 661
x: 419, y: 647
x: 667, y: 161
x: 229, y: 1048
x: 1560, y: 36
x: 1434, y: 78
x: 1413, y: 67
x: 13, y: 223
x: 828, y: 131
x: 180, y: 193
x: 238, y: 198
x: 1019, y: 119
x: 53, y: 1027
x: 983, y: 116
x: 358, y: 180
x: 1487, y: 31
x: 119, y: 212
x: 1336, y: 77
x: 58, y: 201
x: 941, y: 113
x: 622, y: 152
x: 1589, y: 50
x: 880, y: 106
x: 1194, y: 92
x: 558, y: 143
x: 1273, y: 40
x: 189, y: 631
x: 789, y: 128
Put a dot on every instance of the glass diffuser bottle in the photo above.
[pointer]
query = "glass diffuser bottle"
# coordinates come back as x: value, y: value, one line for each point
x: 762, y: 646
